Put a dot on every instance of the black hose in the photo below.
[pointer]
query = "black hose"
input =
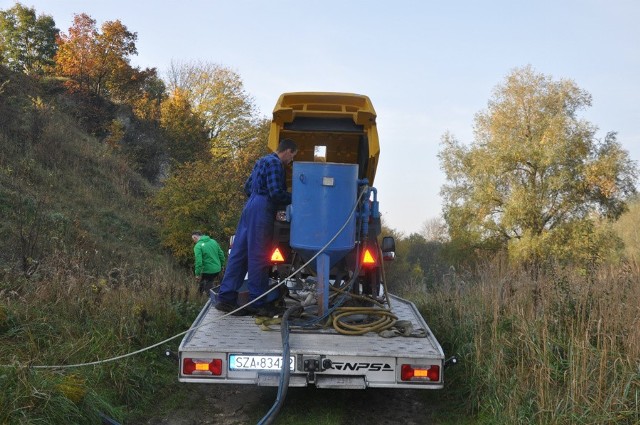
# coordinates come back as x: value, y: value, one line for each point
x: 285, y: 371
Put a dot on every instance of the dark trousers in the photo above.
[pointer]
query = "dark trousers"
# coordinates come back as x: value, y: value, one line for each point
x: 206, y: 282
x: 250, y: 252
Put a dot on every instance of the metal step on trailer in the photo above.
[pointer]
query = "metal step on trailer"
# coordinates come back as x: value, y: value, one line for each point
x: 217, y: 335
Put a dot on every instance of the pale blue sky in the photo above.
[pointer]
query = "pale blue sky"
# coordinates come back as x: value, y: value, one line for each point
x: 428, y: 66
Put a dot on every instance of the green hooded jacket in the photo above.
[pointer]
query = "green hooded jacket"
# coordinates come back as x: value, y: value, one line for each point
x: 208, y: 255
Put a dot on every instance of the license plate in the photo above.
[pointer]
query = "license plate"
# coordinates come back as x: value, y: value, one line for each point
x: 258, y: 362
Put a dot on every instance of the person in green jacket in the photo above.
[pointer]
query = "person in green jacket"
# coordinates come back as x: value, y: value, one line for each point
x: 209, y: 260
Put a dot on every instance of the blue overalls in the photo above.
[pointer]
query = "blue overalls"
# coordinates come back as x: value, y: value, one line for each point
x: 251, y: 249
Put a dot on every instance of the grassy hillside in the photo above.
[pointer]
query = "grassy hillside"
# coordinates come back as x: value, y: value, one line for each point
x: 82, y: 276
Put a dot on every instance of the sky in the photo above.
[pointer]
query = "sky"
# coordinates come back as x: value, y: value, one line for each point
x: 428, y: 66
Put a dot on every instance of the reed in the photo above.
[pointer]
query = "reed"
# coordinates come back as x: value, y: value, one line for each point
x: 554, y: 347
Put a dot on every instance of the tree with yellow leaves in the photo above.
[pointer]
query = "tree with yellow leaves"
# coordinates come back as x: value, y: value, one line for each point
x: 216, y: 93
x: 185, y: 129
x: 535, y: 179
x: 207, y: 195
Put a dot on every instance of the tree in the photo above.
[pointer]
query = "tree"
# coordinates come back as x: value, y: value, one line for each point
x: 27, y: 42
x: 207, y: 195
x: 96, y: 62
x: 434, y: 229
x: 217, y: 94
x: 627, y: 229
x: 185, y: 129
x: 535, y: 171
x: 145, y: 92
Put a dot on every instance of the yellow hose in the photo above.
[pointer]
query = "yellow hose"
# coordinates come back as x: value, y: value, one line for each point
x: 386, y: 319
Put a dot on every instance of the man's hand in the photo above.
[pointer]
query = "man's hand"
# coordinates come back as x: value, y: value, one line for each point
x: 198, y: 279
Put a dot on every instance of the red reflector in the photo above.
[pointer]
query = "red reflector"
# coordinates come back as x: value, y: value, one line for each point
x: 367, y: 258
x: 410, y: 372
x: 277, y: 257
x: 202, y: 366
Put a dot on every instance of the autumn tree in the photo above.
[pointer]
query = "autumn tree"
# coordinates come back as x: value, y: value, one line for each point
x: 145, y: 92
x: 535, y: 179
x: 217, y: 94
x: 97, y: 62
x: 27, y: 42
x: 207, y: 195
x: 185, y: 129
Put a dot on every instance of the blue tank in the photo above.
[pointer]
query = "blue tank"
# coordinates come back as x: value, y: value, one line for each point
x: 323, y: 196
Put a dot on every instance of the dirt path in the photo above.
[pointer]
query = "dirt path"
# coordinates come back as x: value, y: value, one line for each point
x: 244, y: 404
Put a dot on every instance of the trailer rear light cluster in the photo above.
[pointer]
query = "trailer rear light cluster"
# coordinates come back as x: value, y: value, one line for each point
x: 410, y: 372
x: 202, y: 366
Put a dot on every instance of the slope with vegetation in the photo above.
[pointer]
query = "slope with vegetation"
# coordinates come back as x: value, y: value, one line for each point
x: 82, y: 274
x: 90, y: 148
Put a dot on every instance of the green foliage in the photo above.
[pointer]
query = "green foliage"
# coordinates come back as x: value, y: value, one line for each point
x: 206, y: 195
x: 75, y: 318
x: 205, y: 191
x: 82, y: 275
x: 534, y: 169
x: 627, y: 229
x: 27, y: 42
x: 89, y: 185
x: 585, y: 242
x: 419, y: 263
x: 56, y: 399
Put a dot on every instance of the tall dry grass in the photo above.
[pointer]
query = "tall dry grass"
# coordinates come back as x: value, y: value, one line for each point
x: 562, y: 347
x: 71, y: 315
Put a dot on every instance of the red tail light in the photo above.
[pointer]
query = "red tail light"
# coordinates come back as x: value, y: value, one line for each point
x: 202, y: 366
x: 410, y: 372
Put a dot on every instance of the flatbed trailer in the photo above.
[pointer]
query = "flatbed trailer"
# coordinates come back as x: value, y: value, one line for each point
x: 235, y: 350
x: 327, y: 243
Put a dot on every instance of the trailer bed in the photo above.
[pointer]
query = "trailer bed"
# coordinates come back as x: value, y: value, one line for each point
x: 356, y: 361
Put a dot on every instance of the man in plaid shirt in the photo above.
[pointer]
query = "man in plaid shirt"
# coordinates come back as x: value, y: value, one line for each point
x: 267, y: 191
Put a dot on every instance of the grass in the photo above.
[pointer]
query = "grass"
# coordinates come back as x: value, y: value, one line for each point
x: 559, y: 349
x: 75, y: 318
x: 82, y: 276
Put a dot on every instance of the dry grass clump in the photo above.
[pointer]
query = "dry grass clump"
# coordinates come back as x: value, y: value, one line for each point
x: 72, y: 316
x: 553, y: 347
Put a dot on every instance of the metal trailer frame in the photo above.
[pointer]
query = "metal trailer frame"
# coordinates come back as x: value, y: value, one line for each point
x: 343, y: 361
